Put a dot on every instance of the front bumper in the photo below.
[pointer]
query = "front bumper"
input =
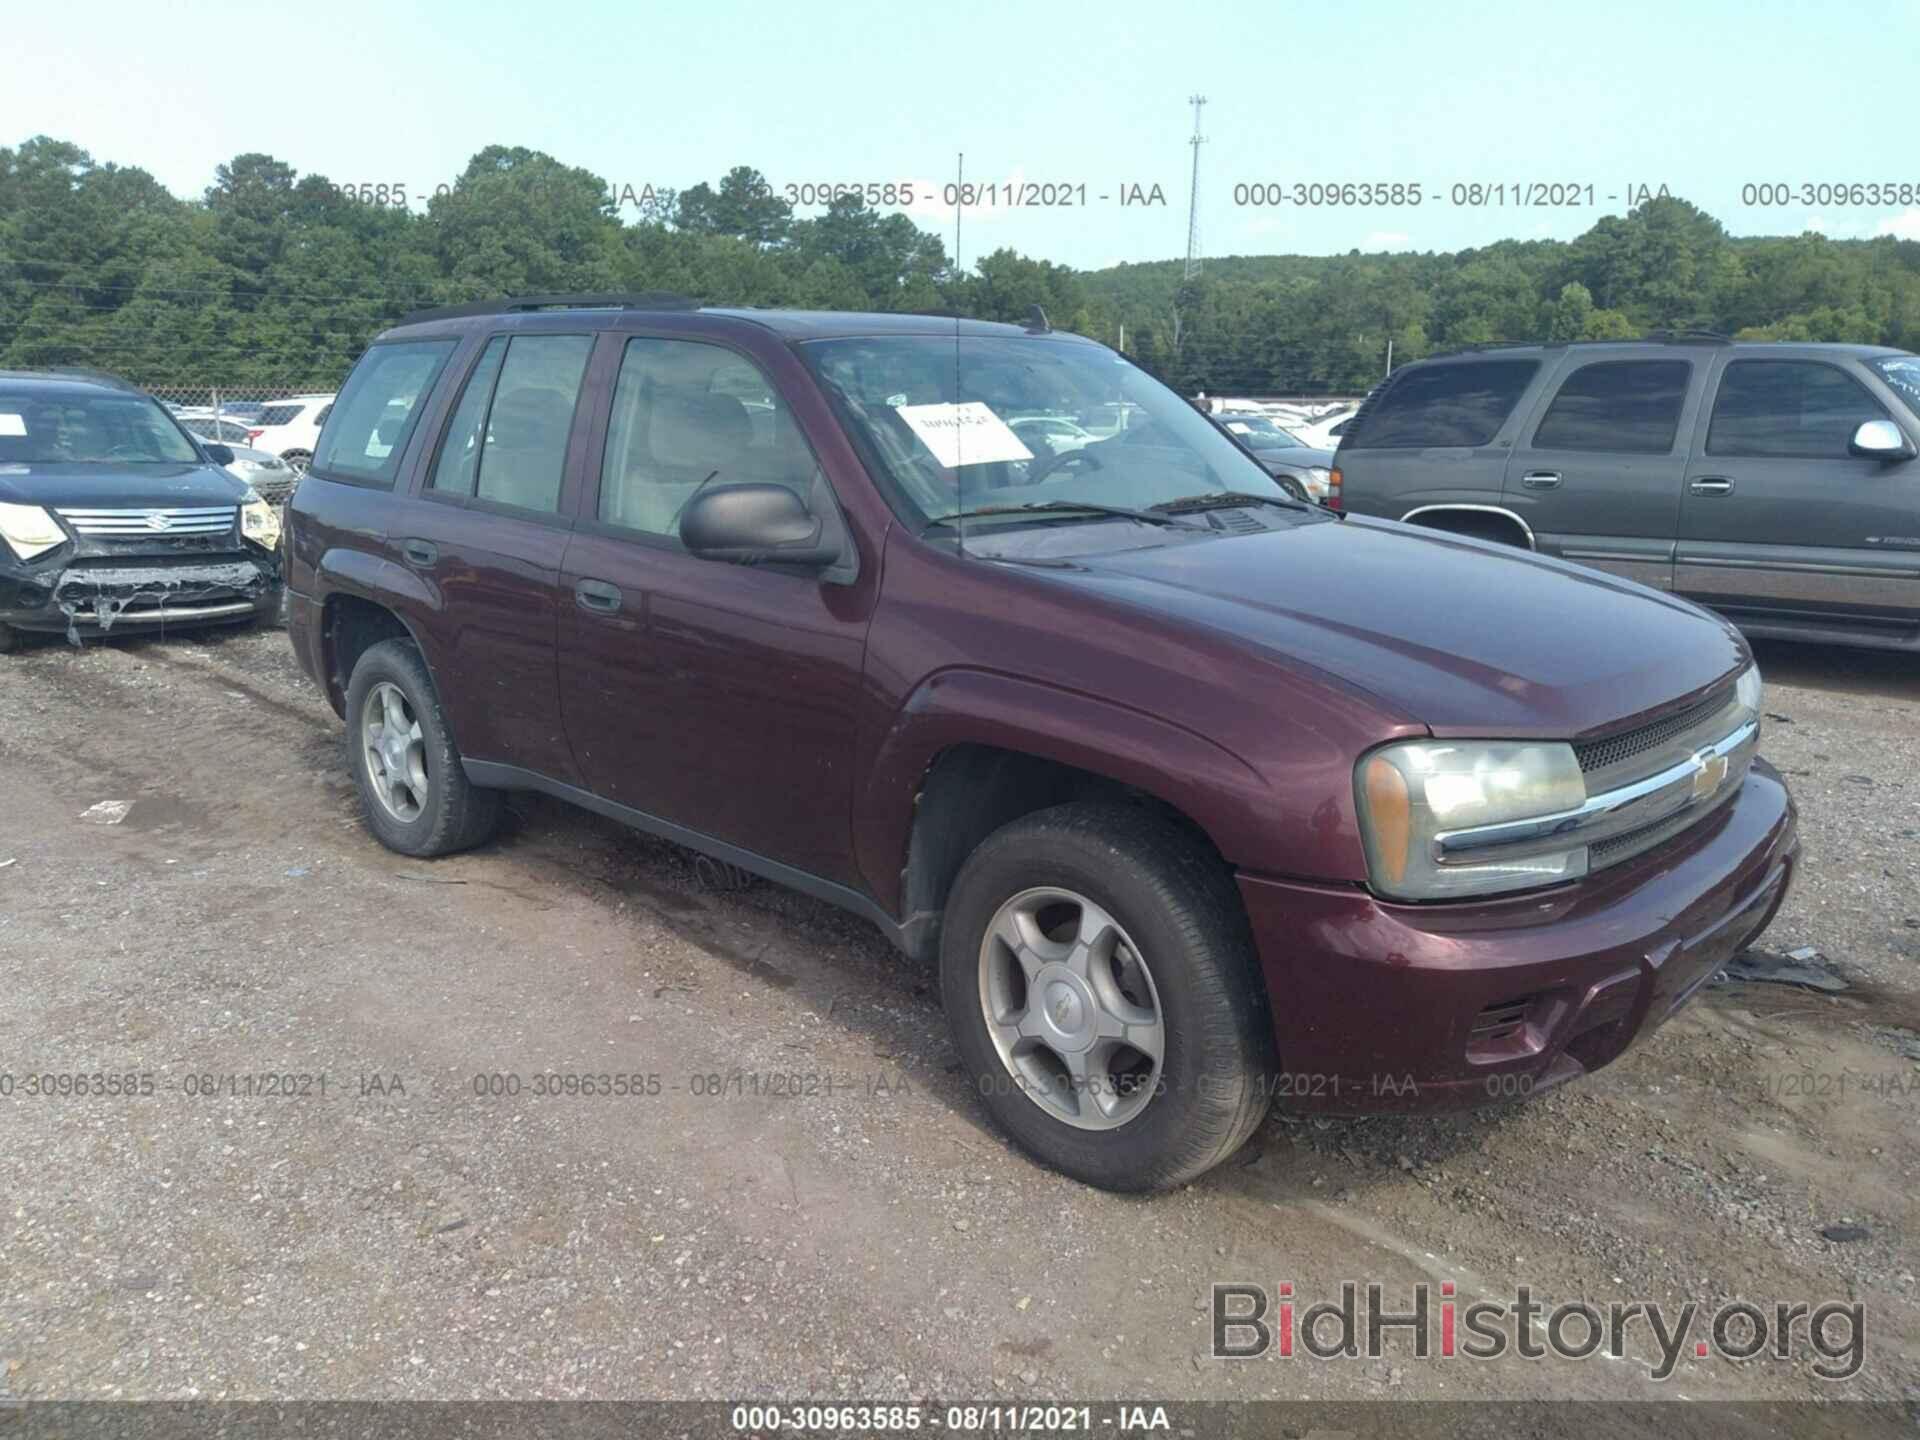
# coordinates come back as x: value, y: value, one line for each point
x: 1382, y: 1007
x: 98, y: 596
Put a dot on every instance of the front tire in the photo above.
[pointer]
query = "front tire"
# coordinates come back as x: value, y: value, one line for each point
x: 1100, y: 980
x: 416, y: 795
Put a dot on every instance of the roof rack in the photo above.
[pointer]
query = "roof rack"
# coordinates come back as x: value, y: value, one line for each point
x: 526, y: 304
x: 1652, y: 337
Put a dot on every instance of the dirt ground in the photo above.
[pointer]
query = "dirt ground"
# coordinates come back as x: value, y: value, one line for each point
x: 402, y: 1235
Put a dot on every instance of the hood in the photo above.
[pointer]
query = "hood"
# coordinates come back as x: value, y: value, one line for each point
x: 1465, y: 637
x: 105, y: 485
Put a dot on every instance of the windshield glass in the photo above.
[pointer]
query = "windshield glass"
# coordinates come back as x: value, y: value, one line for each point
x: 964, y: 426
x: 86, y: 427
x: 1902, y: 372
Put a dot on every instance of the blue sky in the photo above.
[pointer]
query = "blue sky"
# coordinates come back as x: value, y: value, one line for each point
x: 1700, y: 97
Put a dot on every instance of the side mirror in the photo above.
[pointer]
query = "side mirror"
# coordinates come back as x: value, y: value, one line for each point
x: 758, y: 524
x: 219, y: 454
x: 1880, y: 440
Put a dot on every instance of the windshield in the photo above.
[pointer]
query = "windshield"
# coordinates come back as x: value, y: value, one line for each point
x: 39, y: 427
x: 956, y: 426
x: 1902, y: 372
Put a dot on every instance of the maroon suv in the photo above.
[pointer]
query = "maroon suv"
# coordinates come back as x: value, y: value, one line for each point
x: 1201, y: 796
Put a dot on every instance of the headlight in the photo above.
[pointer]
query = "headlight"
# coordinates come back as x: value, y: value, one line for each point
x: 247, y: 467
x: 259, y: 521
x: 1315, y: 477
x: 1748, y: 690
x: 1412, y: 794
x: 29, y: 530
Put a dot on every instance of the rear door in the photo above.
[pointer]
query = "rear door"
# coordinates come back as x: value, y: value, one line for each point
x: 1780, y: 521
x: 487, y: 531
x: 1436, y: 439
x: 1596, y: 470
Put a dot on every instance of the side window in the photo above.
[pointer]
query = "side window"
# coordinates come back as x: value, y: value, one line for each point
x: 507, y: 440
x: 321, y: 418
x: 1796, y: 409
x: 686, y: 414
x: 277, y: 414
x: 458, y: 463
x: 1444, y: 405
x: 1620, y: 406
x: 377, y: 410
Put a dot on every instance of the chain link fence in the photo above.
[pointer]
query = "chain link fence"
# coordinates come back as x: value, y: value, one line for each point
x: 271, y: 427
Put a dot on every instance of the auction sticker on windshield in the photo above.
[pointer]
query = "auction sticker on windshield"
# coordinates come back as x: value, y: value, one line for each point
x: 12, y: 424
x: 969, y: 434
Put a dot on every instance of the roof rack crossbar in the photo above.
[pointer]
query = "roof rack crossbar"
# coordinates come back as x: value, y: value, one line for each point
x: 527, y: 304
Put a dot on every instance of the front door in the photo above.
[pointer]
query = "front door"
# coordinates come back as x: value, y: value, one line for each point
x: 1780, y: 521
x: 721, y: 698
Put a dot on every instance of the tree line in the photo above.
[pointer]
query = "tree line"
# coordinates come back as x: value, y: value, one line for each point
x: 273, y: 277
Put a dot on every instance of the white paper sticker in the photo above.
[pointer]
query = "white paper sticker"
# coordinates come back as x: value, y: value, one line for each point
x: 12, y: 424
x: 969, y: 434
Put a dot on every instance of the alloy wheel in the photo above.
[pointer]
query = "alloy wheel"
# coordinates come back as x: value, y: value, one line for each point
x: 396, y: 752
x: 1071, y: 1008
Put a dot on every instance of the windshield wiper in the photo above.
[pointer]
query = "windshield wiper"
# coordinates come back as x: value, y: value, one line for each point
x: 1061, y: 507
x: 1229, y: 499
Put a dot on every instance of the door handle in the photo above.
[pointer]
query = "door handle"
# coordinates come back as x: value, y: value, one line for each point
x: 420, y: 553
x: 597, y: 595
x: 1712, y: 486
x: 1541, y: 480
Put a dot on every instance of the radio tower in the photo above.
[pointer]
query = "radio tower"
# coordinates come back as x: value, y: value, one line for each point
x: 1193, y: 196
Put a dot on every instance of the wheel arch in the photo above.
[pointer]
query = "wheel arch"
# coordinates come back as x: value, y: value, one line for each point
x: 973, y: 752
x: 1476, y: 520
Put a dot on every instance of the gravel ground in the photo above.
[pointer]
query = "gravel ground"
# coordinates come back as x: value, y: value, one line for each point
x: 401, y: 1236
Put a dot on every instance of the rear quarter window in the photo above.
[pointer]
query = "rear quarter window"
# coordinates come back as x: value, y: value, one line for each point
x: 1442, y: 405
x: 377, y: 410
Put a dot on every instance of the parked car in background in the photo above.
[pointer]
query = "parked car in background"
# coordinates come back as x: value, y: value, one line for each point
x: 1050, y: 434
x: 114, y: 517
x: 223, y: 428
x: 290, y: 428
x: 1324, y: 432
x: 1301, y: 469
x: 1185, y: 784
x: 1776, y: 482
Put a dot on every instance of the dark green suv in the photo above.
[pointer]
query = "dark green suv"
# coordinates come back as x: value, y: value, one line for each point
x: 1775, y: 482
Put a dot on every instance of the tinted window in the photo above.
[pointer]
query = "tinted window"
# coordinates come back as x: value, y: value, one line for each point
x: 321, y: 418
x: 687, y: 414
x: 527, y: 425
x: 377, y: 410
x: 279, y: 414
x: 1444, y: 405
x: 459, y: 459
x: 1624, y: 406
x: 1800, y: 409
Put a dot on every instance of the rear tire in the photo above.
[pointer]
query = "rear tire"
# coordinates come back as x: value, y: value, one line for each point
x: 1071, y: 934
x: 417, y: 798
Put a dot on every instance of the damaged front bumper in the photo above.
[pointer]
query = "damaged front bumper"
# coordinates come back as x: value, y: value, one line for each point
x: 96, y: 597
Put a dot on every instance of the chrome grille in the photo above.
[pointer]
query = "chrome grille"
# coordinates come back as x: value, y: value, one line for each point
x: 151, y: 522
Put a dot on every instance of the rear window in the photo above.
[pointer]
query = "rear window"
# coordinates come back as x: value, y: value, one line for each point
x: 377, y: 410
x: 279, y: 414
x: 1443, y: 405
x: 1624, y: 407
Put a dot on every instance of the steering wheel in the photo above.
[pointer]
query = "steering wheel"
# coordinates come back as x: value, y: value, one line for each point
x: 1059, y: 461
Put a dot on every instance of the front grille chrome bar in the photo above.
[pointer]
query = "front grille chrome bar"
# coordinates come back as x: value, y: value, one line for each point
x: 150, y: 522
x: 1707, y: 776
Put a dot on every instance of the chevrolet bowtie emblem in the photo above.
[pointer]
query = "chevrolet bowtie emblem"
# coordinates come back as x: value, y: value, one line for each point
x: 1710, y: 773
